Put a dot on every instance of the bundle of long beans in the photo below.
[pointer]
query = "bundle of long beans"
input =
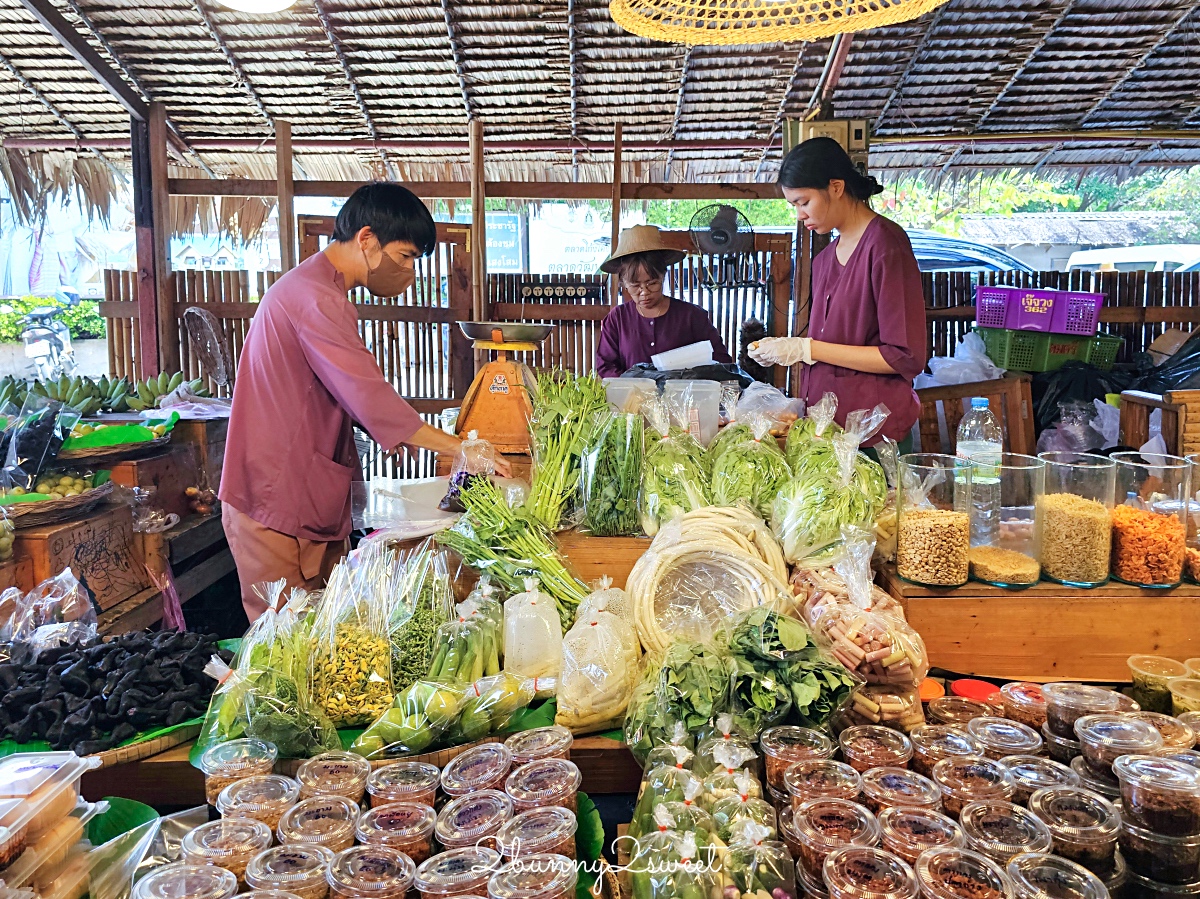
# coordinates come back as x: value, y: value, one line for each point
x: 565, y: 409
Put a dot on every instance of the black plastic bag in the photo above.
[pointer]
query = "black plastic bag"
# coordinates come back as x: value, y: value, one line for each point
x: 1075, y: 381
x: 717, y: 371
x: 1180, y: 372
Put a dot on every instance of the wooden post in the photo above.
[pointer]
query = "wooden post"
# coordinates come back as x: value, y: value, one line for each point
x: 614, y: 289
x: 478, y: 222
x: 160, y: 196
x: 286, y: 194
x: 143, y: 225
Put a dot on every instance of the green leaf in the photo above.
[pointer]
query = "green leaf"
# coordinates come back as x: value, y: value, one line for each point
x: 123, y: 815
x: 533, y: 716
x: 589, y: 843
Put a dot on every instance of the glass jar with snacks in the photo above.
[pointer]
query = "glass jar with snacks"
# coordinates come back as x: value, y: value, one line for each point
x: 473, y: 820
x: 263, y: 797
x: 964, y: 780
x: 1177, y: 736
x: 890, y: 705
x: 1006, y: 489
x: 543, y: 876
x: 226, y: 762
x: 823, y: 825
x: 1084, y: 826
x: 891, y: 787
x: 1075, y: 525
x: 1150, y: 519
x: 184, y: 881
x: 1024, y: 702
x: 1185, y: 695
x: 552, y: 742
x: 1159, y: 794
x: 1150, y: 675
x: 821, y: 778
x: 415, y: 782
x: 1031, y: 773
x: 327, y: 821
x: 957, y: 710
x: 1002, y: 831
x: 380, y: 872
x: 952, y: 873
x: 935, y: 742
x: 406, y: 826
x: 538, y: 831
x: 1103, y: 738
x: 869, y: 746
x: 229, y: 843
x: 783, y: 746
x: 483, y: 767
x: 544, y: 782
x: 787, y: 830
x: 1060, y: 749
x: 933, y: 529
x: 338, y: 773
x: 457, y: 873
x: 299, y: 868
x: 1068, y: 702
x: 1161, y: 858
x: 863, y: 872
x: 1041, y: 876
x: 910, y: 831
x: 1000, y: 737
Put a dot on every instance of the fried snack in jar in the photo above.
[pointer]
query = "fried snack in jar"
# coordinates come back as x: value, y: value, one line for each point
x: 457, y: 872
x: 1084, y: 826
x: 184, y: 881
x: 415, y: 782
x: 956, y: 710
x: 327, y: 820
x: 370, y: 872
x: 473, y: 820
x: 537, y: 832
x: 1001, y: 830
x: 891, y: 787
x: 1032, y: 772
x: 338, y: 773
x: 544, y: 782
x: 953, y: 873
x: 1024, y: 702
x: 1060, y: 749
x: 1104, y: 738
x: 868, y: 746
x: 299, y: 868
x: 863, y: 872
x: 1037, y: 875
x: 823, y: 825
x: 1067, y: 702
x: 1159, y: 794
x: 1161, y: 858
x: 553, y: 742
x: 544, y: 876
x: 229, y: 843
x: 1177, y: 736
x: 910, y: 831
x: 1000, y: 737
x: 784, y: 746
x: 964, y: 780
x: 482, y: 767
x: 821, y: 778
x: 406, y: 826
x: 935, y: 742
x: 226, y: 762
x: 264, y: 797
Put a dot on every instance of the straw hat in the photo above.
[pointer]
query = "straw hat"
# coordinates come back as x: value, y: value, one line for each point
x: 640, y: 239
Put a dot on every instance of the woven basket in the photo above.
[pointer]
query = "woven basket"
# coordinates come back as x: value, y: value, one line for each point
x: 52, y: 511
x: 104, y: 454
x: 137, y: 751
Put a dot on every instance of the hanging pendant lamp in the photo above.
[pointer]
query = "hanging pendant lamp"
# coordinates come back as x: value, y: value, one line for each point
x: 759, y: 21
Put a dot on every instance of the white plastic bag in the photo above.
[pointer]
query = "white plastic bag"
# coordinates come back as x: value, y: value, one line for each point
x: 969, y: 363
x: 1107, y: 424
x: 764, y: 399
x: 600, y: 655
x: 533, y: 640
x: 476, y: 458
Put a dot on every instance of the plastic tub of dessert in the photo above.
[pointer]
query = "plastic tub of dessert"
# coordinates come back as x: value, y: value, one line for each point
x: 552, y: 742
x: 183, y: 881
x: 1187, y: 756
x: 544, y: 782
x: 229, y: 843
x: 1176, y: 734
x: 953, y: 873
x: 537, y: 832
x: 415, y: 782
x: 483, y: 767
x: 338, y: 773
x: 543, y: 876
x: 473, y: 820
x: 1001, y: 830
x: 935, y: 742
x: 299, y: 868
x: 964, y: 780
x: 457, y: 872
x: 1083, y: 824
x: 956, y: 710
x: 1161, y: 858
x: 863, y: 872
x: 867, y: 746
x: 1024, y: 702
x: 1000, y: 737
x: 1067, y: 702
x: 1040, y: 876
x: 1150, y: 676
x: 1159, y: 794
x: 406, y: 826
x: 910, y: 831
x: 370, y: 872
x: 822, y: 778
x: 47, y: 857
x: 1105, y: 785
x: 226, y: 762
x: 891, y: 787
x: 823, y: 825
x: 1060, y: 749
x: 1135, y: 886
x: 1104, y: 738
x: 1032, y: 772
x: 327, y: 821
x: 263, y: 797
x: 783, y: 746
x: 38, y: 790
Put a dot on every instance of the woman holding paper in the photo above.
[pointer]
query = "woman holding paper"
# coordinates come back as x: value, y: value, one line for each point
x: 648, y: 322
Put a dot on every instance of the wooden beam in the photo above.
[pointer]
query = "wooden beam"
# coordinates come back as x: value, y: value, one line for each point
x: 284, y: 190
x: 168, y: 329
x: 478, y: 218
x: 614, y: 289
x: 781, y: 107
x: 910, y: 66
x: 239, y: 74
x: 546, y: 312
x: 457, y: 55
x: 144, y: 242
x: 573, y: 71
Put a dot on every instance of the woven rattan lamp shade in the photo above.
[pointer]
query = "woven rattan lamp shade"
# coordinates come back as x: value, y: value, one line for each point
x: 759, y: 21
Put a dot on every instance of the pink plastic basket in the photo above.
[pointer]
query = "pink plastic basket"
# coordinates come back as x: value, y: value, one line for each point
x: 1026, y: 309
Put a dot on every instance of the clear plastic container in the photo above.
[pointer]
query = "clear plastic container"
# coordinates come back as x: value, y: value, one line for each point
x: 964, y: 780
x: 1103, y: 738
x: 269, y: 894
x: 45, y: 859
x: 226, y: 762
x: 457, y: 872
x: 1031, y: 773
x: 1150, y: 675
x: 415, y: 782
x: 1040, y: 876
x: 1177, y: 736
x: 910, y: 831
x: 1068, y: 702
x: 933, y: 528
x: 1006, y: 490
x: 229, y: 843
x: 542, y: 876
x: 956, y: 710
x: 483, y: 767
x: 867, y: 746
x: 1001, y: 830
x: 1126, y: 704
x: 1185, y: 695
x: 407, y: 826
x: 824, y: 825
x: 628, y: 394
x: 1187, y: 756
x: 338, y: 773
x: 952, y: 873
x: 1000, y: 737
x: 183, y: 881
x: 898, y: 787
x: 263, y: 797
x: 700, y: 401
x: 473, y: 820
x: 538, y: 831
x: 1137, y: 887
x: 891, y: 705
x: 1060, y: 749
x: 863, y: 872
x: 935, y: 742
x: 1109, y: 788
x: 1075, y: 541
x: 1150, y: 519
x: 327, y: 821
x: 1024, y: 702
x: 1161, y: 858
x: 1083, y: 824
x: 822, y: 778
x: 299, y: 868
x: 1193, y: 666
x: 1160, y: 795
x: 40, y: 789
x: 544, y: 782
x: 379, y: 872
x: 552, y: 742
x: 782, y: 747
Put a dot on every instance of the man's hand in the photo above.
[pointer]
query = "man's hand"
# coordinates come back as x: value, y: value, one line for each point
x: 503, y: 468
x: 438, y: 441
x: 781, y: 351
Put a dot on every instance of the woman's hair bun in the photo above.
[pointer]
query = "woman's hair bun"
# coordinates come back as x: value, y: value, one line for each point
x: 819, y: 160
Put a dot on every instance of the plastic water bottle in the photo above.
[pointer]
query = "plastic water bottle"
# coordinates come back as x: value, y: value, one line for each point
x: 979, y: 433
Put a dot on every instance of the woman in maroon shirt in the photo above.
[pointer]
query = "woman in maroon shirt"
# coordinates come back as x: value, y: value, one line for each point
x: 866, y: 334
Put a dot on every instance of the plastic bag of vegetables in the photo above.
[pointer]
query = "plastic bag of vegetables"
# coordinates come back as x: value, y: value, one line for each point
x: 732, y: 813
x: 612, y: 476
x: 466, y: 649
x: 564, y: 412
x: 674, y: 477
x: 685, y: 872
x: 676, y: 754
x: 600, y: 656
x: 724, y: 732
x: 723, y: 782
x: 662, y: 785
x: 490, y: 704
x: 532, y: 633
x: 690, y: 815
x: 476, y: 458
x: 759, y: 865
x: 424, y: 591
x: 416, y: 720
x: 751, y: 471
x: 816, y: 426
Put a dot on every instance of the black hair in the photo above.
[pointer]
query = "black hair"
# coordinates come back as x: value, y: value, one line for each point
x: 819, y: 160
x: 653, y: 262
x: 392, y: 212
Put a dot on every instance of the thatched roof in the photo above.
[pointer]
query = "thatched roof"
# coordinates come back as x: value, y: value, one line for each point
x: 562, y: 71
x: 1085, y: 229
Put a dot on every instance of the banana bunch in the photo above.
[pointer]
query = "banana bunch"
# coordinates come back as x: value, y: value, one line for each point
x: 12, y: 390
x: 113, y: 393
x: 77, y: 393
x: 146, y: 394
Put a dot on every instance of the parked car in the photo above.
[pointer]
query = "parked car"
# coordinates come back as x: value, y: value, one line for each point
x: 1167, y: 257
x: 943, y: 253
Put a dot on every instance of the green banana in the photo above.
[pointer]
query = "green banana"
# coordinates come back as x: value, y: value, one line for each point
x: 176, y: 380
x: 144, y: 394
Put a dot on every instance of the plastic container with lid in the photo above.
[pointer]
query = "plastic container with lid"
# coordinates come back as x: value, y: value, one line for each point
x: 1040, y: 876
x: 952, y: 873
x: 628, y: 394
x: 268, y: 894
x: 1104, y: 738
x: 699, y: 401
x: 1067, y: 702
x: 39, y: 790
x: 183, y: 881
x: 1126, y: 704
x: 1150, y: 675
x: 51, y: 854
x: 544, y: 876
x: 1160, y: 795
x: 1177, y: 736
x: 538, y: 831
x: 264, y: 797
x: 407, y: 826
x: 457, y: 872
x: 1161, y: 858
x: 380, y: 872
x: 473, y: 819
x: 1032, y: 772
x: 964, y: 780
x: 543, y: 782
x: 338, y: 773
x: 415, y: 782
x: 1185, y: 694
x: 1191, y: 719
x: 1060, y: 749
x: 867, y: 746
x: 1001, y: 830
x: 1134, y: 886
x: 891, y: 787
x: 1187, y: 756
x: 1000, y: 737
x: 1084, y: 826
x: 327, y: 821
x: 783, y: 746
x: 226, y: 762
x: 552, y: 742
x: 935, y: 742
x: 1024, y: 702
x: 821, y: 778
x: 482, y: 767
x: 910, y: 831
x: 299, y: 868
x: 1107, y: 787
x: 863, y: 872
x: 229, y: 843
x: 956, y: 710
x: 824, y: 825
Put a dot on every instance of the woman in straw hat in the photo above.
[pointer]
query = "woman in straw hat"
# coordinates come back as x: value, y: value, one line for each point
x: 649, y: 321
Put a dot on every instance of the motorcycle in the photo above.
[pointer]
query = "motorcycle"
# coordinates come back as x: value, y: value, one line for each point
x: 47, y: 340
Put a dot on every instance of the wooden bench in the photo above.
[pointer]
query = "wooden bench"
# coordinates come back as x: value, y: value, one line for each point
x: 1009, y: 398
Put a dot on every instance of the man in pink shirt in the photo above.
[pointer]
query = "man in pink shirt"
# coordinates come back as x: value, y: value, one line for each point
x: 304, y: 377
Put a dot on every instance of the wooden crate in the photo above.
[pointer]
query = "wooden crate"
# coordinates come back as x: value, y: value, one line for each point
x: 590, y: 558
x: 170, y: 472
x: 99, y: 548
x: 1188, y: 420
x: 1136, y: 408
x: 208, y: 437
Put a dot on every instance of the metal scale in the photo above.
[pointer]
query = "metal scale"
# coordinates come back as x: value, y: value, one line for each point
x: 497, y: 404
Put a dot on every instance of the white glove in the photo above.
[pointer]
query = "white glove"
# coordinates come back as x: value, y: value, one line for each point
x: 782, y: 351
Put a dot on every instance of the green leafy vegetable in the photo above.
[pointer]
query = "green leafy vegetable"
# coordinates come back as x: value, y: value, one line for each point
x: 674, y: 481
x: 811, y: 509
x: 734, y: 432
x: 750, y: 470
x: 612, y: 470
x: 564, y: 412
